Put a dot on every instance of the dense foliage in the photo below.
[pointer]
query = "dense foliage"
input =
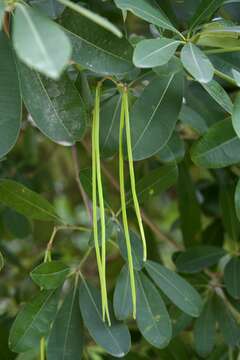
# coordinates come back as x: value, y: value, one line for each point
x: 119, y: 190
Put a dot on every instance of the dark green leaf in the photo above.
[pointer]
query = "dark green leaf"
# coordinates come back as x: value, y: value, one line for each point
x: 148, y: 10
x: 154, y: 52
x: 50, y: 275
x: 219, y: 147
x: 55, y: 106
x: 26, y: 201
x: 227, y: 323
x: 95, y: 48
x: 10, y: 100
x: 188, y: 206
x: 115, y: 339
x: 236, y: 115
x: 66, y: 337
x: 33, y: 321
x: 237, y: 199
x: 197, y: 63
x: 204, y: 330
x: 152, y: 317
x: 2, y: 10
x: 228, y: 211
x: 109, y: 130
x: 175, y: 288
x: 173, y: 151
x: 192, y: 118
x: 17, y: 224
x: 39, y: 42
x: 231, y: 277
x: 122, y: 300
x: 137, y: 248
x: 217, y: 92
x: 154, y: 115
x: 199, y: 257
x: 204, y: 11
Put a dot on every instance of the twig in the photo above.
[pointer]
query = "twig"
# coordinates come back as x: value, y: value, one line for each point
x: 85, y: 199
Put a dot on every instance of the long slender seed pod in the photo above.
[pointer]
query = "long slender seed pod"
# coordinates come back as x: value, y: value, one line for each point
x: 94, y: 202
x: 131, y: 172
x: 124, y: 210
x: 101, y: 199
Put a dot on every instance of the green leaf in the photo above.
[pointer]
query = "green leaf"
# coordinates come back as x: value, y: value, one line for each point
x: 39, y: 42
x: 218, y: 148
x: 109, y: 129
x: 227, y: 323
x: 181, y: 293
x: 50, y: 275
x: 2, y: 11
x: 136, y: 245
x: 188, y: 206
x: 122, y: 300
x: 95, y: 48
x: 17, y: 224
x: 152, y: 317
x: 26, y: 201
x: 1, y: 261
x: 236, y: 115
x: 155, y: 182
x: 115, y: 339
x: 154, y: 52
x: 103, y: 22
x: 204, y: 11
x: 204, y: 330
x: 231, y: 277
x: 33, y: 321
x: 173, y: 151
x: 197, y: 63
x: 217, y: 92
x: 66, y: 336
x: 199, y: 257
x: 59, y: 110
x: 147, y: 10
x: 228, y: 212
x: 10, y: 100
x: 192, y: 118
x: 154, y: 115
x: 237, y: 199
x: 236, y: 75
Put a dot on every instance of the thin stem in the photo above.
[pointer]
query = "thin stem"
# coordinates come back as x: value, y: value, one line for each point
x: 42, y: 349
x: 124, y: 211
x: 225, y: 77
x: 222, y: 51
x: 132, y: 175
x: 84, y: 196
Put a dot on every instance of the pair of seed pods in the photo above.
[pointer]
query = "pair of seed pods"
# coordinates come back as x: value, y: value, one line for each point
x: 98, y: 197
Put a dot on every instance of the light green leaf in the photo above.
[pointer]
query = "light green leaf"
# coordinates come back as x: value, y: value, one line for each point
x: 26, y: 201
x: 154, y: 115
x: 94, y: 48
x: 115, y: 339
x: 50, y: 275
x: 236, y: 115
x: 154, y: 52
x: 228, y: 212
x: 180, y: 292
x: 188, y: 207
x: 1, y: 261
x: 204, y: 11
x: 109, y: 129
x: 217, y: 92
x: 55, y: 106
x: 136, y: 245
x: 33, y: 321
x: 173, y: 151
x: 199, y: 257
x: 219, y: 147
x: 152, y: 317
x: 236, y: 75
x: 2, y: 11
x: 156, y: 181
x: 197, y: 63
x: 204, y: 330
x: 39, y: 42
x: 66, y: 336
x: 10, y: 100
x: 227, y: 323
x: 147, y: 10
x: 105, y: 23
x: 122, y: 300
x: 231, y: 277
